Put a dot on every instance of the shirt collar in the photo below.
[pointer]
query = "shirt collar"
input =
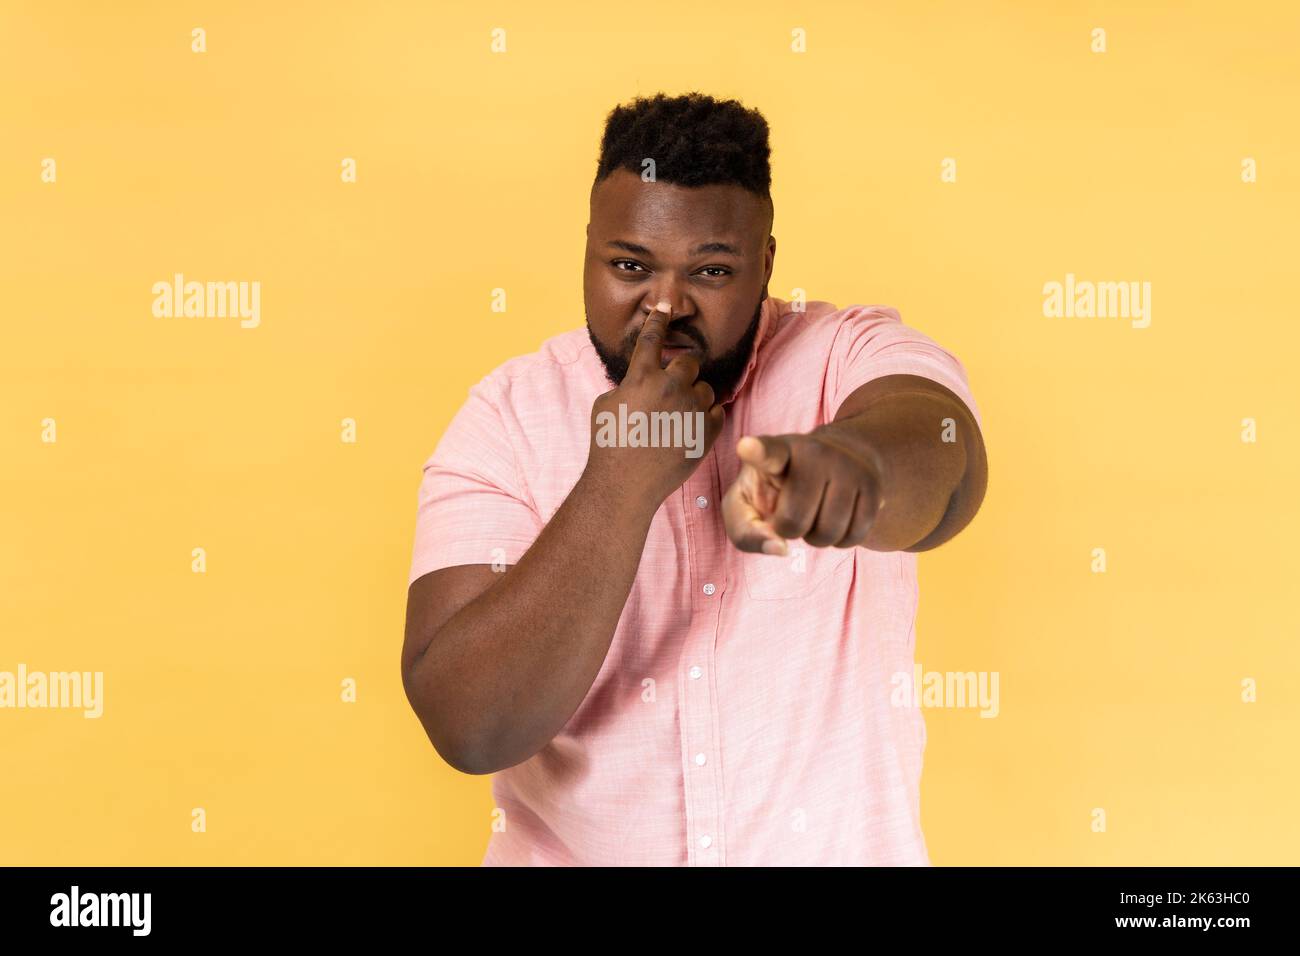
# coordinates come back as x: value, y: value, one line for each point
x: 769, y: 311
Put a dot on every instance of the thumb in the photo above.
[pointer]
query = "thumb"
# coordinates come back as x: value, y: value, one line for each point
x: 769, y: 454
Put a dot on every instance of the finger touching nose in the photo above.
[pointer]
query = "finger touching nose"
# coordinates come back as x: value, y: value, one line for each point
x: 661, y: 305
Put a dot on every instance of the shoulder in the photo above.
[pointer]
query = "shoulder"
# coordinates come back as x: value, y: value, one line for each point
x: 557, y: 359
x: 821, y: 326
x: 547, y: 387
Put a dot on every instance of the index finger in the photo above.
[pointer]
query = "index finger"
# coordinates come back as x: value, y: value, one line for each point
x: 649, y: 349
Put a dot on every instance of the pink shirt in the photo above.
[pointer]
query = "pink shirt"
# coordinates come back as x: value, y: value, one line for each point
x: 742, y: 715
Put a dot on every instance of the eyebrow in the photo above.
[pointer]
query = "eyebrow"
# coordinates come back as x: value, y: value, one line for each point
x: 702, y: 248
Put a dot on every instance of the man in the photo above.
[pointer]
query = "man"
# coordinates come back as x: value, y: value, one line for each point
x: 677, y: 659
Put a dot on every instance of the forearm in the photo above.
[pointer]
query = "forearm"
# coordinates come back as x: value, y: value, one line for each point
x: 506, y: 672
x: 921, y: 445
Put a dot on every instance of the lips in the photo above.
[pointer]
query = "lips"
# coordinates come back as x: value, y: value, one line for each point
x: 670, y: 351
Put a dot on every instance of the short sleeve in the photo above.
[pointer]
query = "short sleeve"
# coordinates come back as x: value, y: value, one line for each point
x: 474, y: 507
x: 872, y: 341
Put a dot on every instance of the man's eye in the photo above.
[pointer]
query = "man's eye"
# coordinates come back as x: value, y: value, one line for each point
x: 629, y: 262
x: 724, y: 272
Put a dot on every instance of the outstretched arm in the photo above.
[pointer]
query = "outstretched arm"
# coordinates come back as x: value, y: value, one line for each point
x: 902, y: 467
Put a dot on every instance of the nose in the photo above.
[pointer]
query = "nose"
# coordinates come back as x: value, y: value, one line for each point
x: 667, y: 289
x: 661, y: 304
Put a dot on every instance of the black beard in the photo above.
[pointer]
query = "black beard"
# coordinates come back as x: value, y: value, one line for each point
x: 722, y: 373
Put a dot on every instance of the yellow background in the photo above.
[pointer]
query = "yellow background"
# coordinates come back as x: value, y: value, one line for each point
x: 1119, y: 690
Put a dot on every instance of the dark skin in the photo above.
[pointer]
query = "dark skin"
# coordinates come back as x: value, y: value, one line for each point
x: 495, y: 664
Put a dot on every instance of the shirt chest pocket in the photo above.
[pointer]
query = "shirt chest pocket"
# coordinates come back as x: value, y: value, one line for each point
x: 802, y: 572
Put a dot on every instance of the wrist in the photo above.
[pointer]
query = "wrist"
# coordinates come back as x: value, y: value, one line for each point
x: 618, y: 499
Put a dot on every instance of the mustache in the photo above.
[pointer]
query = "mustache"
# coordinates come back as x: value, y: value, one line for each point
x: 685, y: 331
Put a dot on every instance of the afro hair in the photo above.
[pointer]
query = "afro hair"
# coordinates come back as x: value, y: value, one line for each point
x: 694, y: 140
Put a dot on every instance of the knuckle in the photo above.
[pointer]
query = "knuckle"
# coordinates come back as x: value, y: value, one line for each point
x: 815, y: 452
x: 785, y: 526
x: 819, y: 538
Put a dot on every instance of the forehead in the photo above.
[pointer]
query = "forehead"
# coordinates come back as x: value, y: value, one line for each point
x: 623, y: 205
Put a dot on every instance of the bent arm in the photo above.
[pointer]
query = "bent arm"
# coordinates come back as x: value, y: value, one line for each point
x: 929, y: 453
x: 494, y: 664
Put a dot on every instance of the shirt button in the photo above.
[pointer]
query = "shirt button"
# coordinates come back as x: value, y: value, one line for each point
x: 695, y: 673
x: 701, y: 502
x: 699, y: 759
x: 709, y: 588
x: 706, y: 841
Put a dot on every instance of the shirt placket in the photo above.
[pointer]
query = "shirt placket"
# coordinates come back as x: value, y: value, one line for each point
x: 697, y: 673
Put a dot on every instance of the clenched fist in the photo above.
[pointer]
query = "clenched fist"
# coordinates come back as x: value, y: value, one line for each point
x: 801, y: 486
